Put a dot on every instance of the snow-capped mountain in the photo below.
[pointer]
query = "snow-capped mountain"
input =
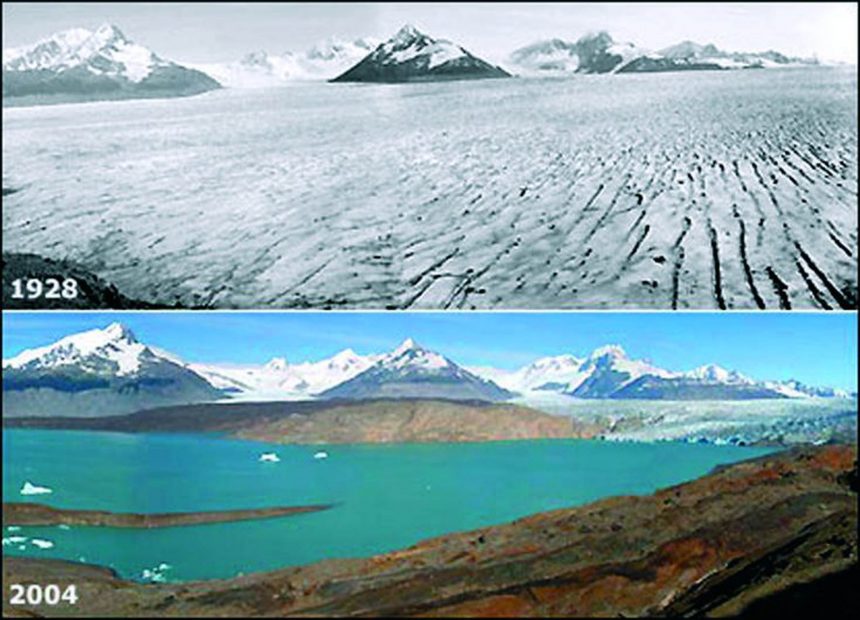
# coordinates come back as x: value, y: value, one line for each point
x: 97, y: 372
x: 411, y: 371
x: 689, y: 51
x: 278, y: 379
x: 546, y: 374
x: 412, y: 56
x: 108, y: 371
x: 607, y: 370
x: 111, y: 350
x: 80, y: 64
x: 599, y: 53
x: 259, y: 69
x: 609, y: 373
x: 592, y: 53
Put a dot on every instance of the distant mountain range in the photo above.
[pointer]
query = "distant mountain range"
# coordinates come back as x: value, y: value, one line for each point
x: 83, y: 65
x: 108, y: 371
x: 608, y: 373
x: 324, y: 61
x: 80, y: 65
x: 599, y: 53
x: 278, y: 379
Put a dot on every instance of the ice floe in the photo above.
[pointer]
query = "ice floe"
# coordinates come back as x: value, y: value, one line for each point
x: 322, y: 454
x: 31, y: 489
x: 42, y: 543
x: 269, y: 457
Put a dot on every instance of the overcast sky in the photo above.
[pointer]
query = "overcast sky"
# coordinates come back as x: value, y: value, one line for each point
x: 226, y: 31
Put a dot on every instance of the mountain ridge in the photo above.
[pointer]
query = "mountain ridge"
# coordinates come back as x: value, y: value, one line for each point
x: 84, y: 65
x: 97, y: 372
x: 413, y: 56
x: 113, y: 356
x: 411, y: 371
x: 598, y: 52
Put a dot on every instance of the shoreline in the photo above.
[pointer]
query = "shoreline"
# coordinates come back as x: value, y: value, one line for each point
x: 34, y: 514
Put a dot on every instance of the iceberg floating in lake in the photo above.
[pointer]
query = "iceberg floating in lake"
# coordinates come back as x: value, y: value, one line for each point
x: 269, y: 457
x: 31, y: 489
x: 156, y: 574
x: 322, y: 454
x: 14, y: 540
x: 42, y: 544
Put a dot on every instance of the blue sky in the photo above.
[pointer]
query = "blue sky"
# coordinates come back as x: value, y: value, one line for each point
x: 817, y: 348
x: 228, y: 30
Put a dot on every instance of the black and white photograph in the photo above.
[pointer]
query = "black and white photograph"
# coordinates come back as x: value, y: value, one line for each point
x: 430, y: 156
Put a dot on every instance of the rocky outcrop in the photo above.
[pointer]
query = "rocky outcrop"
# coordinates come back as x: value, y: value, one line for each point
x: 747, y: 537
x: 647, y: 64
x: 93, y: 292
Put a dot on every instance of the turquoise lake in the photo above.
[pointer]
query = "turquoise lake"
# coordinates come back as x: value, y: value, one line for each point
x: 386, y: 496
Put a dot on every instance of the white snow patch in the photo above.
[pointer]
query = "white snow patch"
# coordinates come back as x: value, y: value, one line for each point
x: 138, y: 61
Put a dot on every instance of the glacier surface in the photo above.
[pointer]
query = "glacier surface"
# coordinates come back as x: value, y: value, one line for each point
x: 691, y: 190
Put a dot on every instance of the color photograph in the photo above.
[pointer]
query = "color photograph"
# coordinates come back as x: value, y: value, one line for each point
x: 444, y: 464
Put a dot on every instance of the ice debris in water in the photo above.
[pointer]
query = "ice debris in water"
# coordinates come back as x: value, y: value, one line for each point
x: 156, y: 574
x: 41, y: 543
x: 322, y: 454
x: 269, y: 457
x: 31, y: 489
